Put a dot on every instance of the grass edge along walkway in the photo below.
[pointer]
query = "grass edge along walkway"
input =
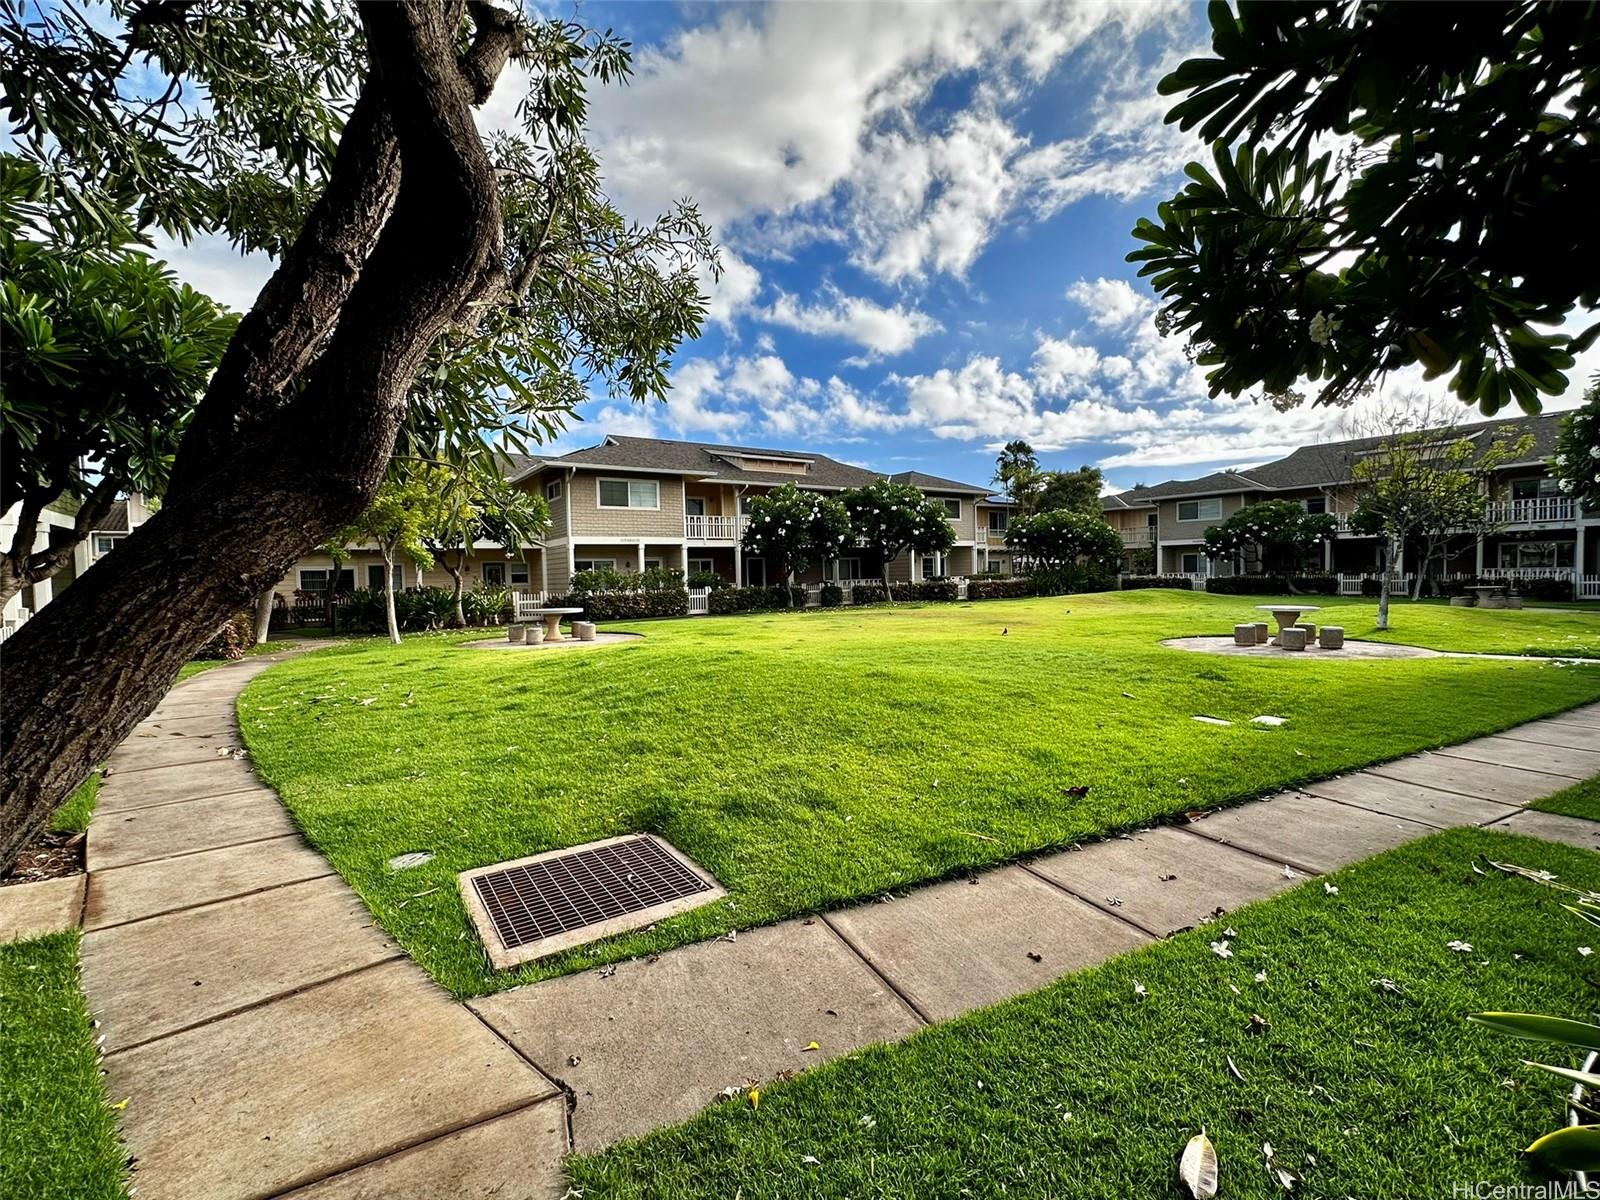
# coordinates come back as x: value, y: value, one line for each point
x: 1332, y: 1032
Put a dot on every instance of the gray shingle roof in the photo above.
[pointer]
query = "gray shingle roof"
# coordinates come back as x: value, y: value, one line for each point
x: 116, y: 518
x: 711, y: 460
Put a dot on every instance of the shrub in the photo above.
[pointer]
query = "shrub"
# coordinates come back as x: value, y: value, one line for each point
x: 1316, y: 585
x: 1545, y: 589
x: 1248, y: 585
x: 1372, y: 587
x: 422, y: 608
x: 867, y: 593
x: 935, y: 589
x: 486, y: 604
x: 832, y: 595
x: 753, y: 599
x: 998, y: 589
x: 1062, y: 580
x: 1133, y: 582
x: 233, y: 640
x: 707, y: 579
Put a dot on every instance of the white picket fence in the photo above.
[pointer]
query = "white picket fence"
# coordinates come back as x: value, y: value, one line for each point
x: 699, y: 601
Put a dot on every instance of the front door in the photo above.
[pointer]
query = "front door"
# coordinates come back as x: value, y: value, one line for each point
x: 694, y: 506
x: 755, y: 572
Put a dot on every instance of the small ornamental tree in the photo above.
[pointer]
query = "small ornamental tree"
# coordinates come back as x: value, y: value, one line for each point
x: 1278, y: 534
x: 1017, y: 474
x: 1577, y: 458
x: 405, y: 508
x: 478, y: 507
x: 1056, y: 542
x: 1076, y: 491
x: 794, y: 529
x: 891, y: 518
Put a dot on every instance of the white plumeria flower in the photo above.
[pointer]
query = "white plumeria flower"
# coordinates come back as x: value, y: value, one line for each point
x: 1221, y: 950
x: 1459, y: 946
x: 1330, y: 889
x: 1585, y: 951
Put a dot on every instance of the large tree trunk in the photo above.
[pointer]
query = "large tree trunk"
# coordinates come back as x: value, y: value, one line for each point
x: 459, y: 618
x: 297, y: 427
x: 1383, y: 588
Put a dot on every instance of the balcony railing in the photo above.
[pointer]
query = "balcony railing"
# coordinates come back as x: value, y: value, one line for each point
x: 703, y: 529
x: 990, y: 537
x: 1138, y: 537
x: 1543, y: 510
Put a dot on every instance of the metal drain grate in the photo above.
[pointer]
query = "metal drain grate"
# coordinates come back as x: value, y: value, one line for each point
x: 534, y: 907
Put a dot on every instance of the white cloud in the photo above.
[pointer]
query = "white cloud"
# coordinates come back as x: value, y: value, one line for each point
x: 1058, y: 363
x: 880, y: 330
x: 1111, y: 303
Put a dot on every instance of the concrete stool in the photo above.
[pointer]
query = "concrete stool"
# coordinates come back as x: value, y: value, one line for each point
x: 535, y: 635
x: 1513, y: 601
x: 1492, y: 602
x: 1263, y: 633
x: 516, y: 633
x: 1293, y: 638
x: 1331, y: 637
x: 1311, y: 631
x: 1244, y: 635
x: 1462, y: 601
x: 583, y: 630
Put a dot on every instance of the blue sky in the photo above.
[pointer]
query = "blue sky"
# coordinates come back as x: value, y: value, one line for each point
x: 924, y: 211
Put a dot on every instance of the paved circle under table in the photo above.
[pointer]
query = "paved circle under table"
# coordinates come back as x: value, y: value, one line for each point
x: 1226, y: 645
x: 600, y: 639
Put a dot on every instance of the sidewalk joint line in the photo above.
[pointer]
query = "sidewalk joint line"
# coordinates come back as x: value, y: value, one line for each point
x: 1512, y: 737
x: 1378, y: 772
x: 1099, y: 908
x: 111, y: 813
x: 894, y: 988
x: 183, y: 908
x: 1484, y: 762
x: 397, y: 956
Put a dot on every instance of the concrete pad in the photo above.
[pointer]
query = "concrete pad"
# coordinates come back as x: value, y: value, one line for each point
x: 1410, y: 800
x: 1554, y: 827
x: 152, y: 978
x: 656, y: 1041
x: 1486, y: 781
x: 123, y: 790
x: 206, y: 725
x: 143, y: 751
x: 1163, y: 879
x: 322, y: 1081
x: 1557, y: 733
x: 959, y: 945
x: 119, y: 838
x: 1307, y: 832
x: 514, y: 1157
x: 30, y: 909
x: 1589, y: 718
x: 1509, y: 752
x: 149, y: 889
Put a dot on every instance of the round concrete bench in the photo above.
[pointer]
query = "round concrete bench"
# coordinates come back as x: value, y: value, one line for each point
x: 516, y: 633
x: 1244, y: 635
x: 1462, y: 601
x: 1263, y: 633
x: 1293, y: 638
x: 1311, y: 631
x: 1331, y: 637
x: 583, y: 630
x: 535, y: 635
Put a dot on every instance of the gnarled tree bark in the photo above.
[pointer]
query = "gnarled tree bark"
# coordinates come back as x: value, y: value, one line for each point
x: 296, y: 430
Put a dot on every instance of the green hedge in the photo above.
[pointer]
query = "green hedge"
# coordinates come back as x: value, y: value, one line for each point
x: 1251, y: 585
x: 621, y: 606
x: 998, y: 589
x: 1133, y: 582
x: 752, y: 599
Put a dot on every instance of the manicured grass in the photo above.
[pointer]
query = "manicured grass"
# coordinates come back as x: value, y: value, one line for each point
x: 73, y: 816
x: 1548, y: 631
x: 809, y: 759
x: 58, y: 1134
x: 1579, y: 800
x: 1083, y: 1090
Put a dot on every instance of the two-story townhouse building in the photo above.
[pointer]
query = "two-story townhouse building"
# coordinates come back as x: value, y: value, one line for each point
x: 631, y: 504
x: 1536, y: 529
x: 56, y: 527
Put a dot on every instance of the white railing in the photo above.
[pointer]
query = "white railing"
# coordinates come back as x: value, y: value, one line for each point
x: 12, y: 624
x: 1137, y: 537
x: 1589, y: 587
x: 702, y: 528
x: 1350, y: 585
x: 1543, y: 510
x: 699, y: 601
x: 1528, y: 572
x: 523, y: 604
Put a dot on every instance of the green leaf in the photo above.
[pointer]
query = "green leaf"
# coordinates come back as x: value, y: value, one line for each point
x: 1576, y: 1148
x: 1540, y: 1028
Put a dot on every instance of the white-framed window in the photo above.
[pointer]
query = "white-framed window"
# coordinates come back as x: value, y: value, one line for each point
x: 1316, y: 504
x: 1200, y: 510
x: 997, y: 520
x: 314, y: 579
x: 629, y: 493
x: 744, y: 503
x: 1534, y: 489
x: 652, y: 564
x: 552, y: 490
x: 105, y: 543
x: 699, y: 565
x: 519, y: 572
x: 1532, y: 555
x: 930, y: 566
x: 755, y: 572
x: 375, y: 576
x: 1189, y: 564
x: 594, y: 564
x: 694, y: 506
x: 849, y: 569
x: 952, y: 508
x: 494, y: 574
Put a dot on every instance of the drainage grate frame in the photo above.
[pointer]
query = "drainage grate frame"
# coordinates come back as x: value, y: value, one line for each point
x: 534, y: 907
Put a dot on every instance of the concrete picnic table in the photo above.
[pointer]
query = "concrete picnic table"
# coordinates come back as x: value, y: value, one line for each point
x: 551, y: 617
x: 1287, y: 615
x: 1489, y: 592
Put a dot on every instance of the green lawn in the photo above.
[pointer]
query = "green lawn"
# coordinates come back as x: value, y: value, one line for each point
x: 73, y: 816
x: 1365, y: 1079
x: 809, y: 759
x: 1579, y: 800
x: 58, y: 1134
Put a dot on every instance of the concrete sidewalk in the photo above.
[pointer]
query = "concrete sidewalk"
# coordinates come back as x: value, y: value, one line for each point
x: 271, y: 1041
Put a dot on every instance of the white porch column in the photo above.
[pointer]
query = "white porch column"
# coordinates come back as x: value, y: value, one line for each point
x: 544, y: 570
x: 572, y: 558
x: 683, y: 557
x: 1480, y: 555
x: 641, y: 554
x: 1578, y: 560
x: 738, y: 565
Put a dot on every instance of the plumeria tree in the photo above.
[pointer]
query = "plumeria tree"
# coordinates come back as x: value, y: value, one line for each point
x: 478, y: 508
x: 1058, y: 543
x: 794, y: 529
x: 1577, y: 457
x: 1278, y: 535
x: 406, y: 506
x: 891, y: 518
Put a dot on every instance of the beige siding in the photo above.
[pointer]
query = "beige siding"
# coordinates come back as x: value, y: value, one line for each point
x: 965, y: 525
x: 590, y: 520
x: 1172, y: 529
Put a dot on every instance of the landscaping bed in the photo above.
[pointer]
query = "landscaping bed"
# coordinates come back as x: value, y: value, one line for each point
x: 810, y: 759
x: 1335, y: 1034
